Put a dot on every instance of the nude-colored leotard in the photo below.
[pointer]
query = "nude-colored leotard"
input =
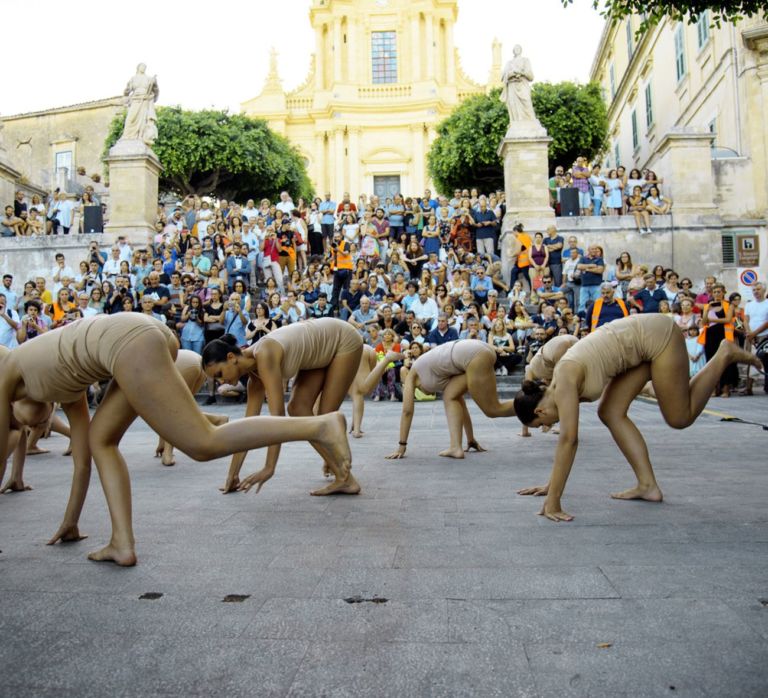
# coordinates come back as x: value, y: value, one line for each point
x: 542, y: 365
x: 439, y: 365
x: 617, y: 347
x: 58, y: 366
x: 314, y: 343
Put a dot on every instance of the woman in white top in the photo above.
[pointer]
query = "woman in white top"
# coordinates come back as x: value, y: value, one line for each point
x: 598, y: 190
x: 351, y: 229
x: 204, y: 219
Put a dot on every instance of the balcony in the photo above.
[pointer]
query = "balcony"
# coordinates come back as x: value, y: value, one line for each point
x: 384, y: 92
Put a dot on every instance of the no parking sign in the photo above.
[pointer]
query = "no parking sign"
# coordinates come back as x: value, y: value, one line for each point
x: 747, y: 279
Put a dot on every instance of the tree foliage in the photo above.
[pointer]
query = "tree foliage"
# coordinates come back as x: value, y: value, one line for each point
x: 464, y: 154
x: 652, y: 12
x: 225, y: 155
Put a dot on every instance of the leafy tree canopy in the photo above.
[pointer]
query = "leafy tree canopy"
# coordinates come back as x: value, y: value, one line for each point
x: 465, y: 152
x: 226, y: 155
x: 652, y: 12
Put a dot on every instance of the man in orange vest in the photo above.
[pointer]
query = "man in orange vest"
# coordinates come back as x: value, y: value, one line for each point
x: 521, y: 254
x: 341, y: 266
x: 606, y: 308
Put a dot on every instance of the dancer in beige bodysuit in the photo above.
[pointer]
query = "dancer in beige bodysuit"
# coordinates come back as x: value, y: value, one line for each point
x: 369, y: 373
x: 455, y: 368
x: 616, y: 362
x: 323, y: 355
x: 137, y: 352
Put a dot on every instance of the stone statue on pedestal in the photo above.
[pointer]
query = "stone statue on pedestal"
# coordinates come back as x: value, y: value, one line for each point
x: 141, y: 120
x: 516, y: 94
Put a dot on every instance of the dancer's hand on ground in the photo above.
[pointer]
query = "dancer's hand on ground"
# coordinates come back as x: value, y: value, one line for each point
x: 258, y: 479
x: 231, y: 485
x: 15, y: 486
x: 553, y: 511
x: 538, y: 491
x: 67, y: 533
x: 397, y: 455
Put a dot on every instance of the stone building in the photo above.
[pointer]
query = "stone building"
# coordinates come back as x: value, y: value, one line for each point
x: 690, y: 101
x: 48, y: 147
x: 383, y: 75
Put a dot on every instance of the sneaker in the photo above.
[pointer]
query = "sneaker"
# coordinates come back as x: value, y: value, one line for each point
x: 649, y: 231
x: 644, y: 232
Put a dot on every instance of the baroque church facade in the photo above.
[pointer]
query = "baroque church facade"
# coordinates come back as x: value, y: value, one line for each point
x: 383, y: 75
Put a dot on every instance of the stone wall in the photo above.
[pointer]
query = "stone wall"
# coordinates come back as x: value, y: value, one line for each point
x: 28, y: 257
x: 734, y: 193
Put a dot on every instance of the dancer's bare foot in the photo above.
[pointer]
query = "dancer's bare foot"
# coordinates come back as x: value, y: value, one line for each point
x: 68, y: 452
x: 474, y: 446
x: 348, y: 486
x: 15, y: 486
x: 538, y: 491
x: 67, y: 533
x: 159, y: 450
x: 739, y: 355
x: 452, y: 453
x: 36, y: 451
x: 125, y: 557
x: 650, y: 493
x: 170, y: 460
x: 333, y: 440
x: 357, y: 434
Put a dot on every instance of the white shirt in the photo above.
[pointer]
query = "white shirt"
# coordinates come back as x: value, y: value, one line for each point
x: 757, y: 314
x: 111, y: 268
x: 425, y: 311
x: 66, y: 211
x: 7, y: 333
x: 250, y: 213
x: 286, y: 207
x: 57, y: 274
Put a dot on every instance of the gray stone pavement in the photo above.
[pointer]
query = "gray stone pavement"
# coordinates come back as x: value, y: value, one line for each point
x: 483, y: 597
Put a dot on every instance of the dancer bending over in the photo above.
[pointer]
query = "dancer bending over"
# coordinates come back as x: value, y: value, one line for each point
x: 454, y: 369
x: 616, y: 362
x: 323, y: 355
x: 59, y: 366
x: 369, y: 373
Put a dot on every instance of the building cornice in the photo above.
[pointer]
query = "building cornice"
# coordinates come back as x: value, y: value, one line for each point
x: 82, y: 106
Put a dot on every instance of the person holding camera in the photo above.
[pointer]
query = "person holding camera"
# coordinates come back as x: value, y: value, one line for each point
x: 341, y: 266
x: 192, y: 324
x: 63, y: 311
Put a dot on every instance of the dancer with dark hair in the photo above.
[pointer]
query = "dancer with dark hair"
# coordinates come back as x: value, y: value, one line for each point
x: 58, y: 366
x: 323, y: 356
x: 616, y: 361
x: 456, y: 368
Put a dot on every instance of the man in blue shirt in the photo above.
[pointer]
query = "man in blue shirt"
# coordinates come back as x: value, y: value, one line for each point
x: 606, y: 308
x: 647, y: 299
x: 442, y: 334
x: 327, y: 210
x: 486, y: 227
x: 554, y: 244
x: 592, y: 267
x: 480, y: 285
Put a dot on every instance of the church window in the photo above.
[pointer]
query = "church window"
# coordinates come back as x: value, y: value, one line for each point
x: 648, y: 106
x: 612, y: 77
x: 630, y: 39
x: 680, y: 52
x: 635, y: 139
x: 384, y: 57
x: 702, y: 28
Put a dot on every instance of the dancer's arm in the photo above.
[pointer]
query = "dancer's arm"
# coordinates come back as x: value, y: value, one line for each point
x: 252, y: 409
x: 567, y: 401
x: 268, y: 367
x: 407, y: 415
x: 79, y: 422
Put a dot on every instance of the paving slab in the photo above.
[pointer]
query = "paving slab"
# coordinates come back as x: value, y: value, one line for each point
x: 438, y: 580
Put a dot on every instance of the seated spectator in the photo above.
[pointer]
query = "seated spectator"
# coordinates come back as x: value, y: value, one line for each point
x: 656, y: 204
x: 386, y: 387
x: 504, y: 346
x: 363, y: 317
x: 549, y: 292
x: 480, y: 285
x: 636, y: 205
x: 647, y: 300
x: 425, y: 309
x: 605, y: 308
x: 473, y: 330
x: 442, y: 333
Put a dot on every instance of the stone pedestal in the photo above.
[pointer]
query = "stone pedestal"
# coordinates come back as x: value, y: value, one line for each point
x: 687, y: 154
x: 526, y: 172
x: 133, y: 190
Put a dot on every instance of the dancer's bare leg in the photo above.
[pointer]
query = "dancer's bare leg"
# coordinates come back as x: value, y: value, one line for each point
x: 681, y: 401
x: 368, y: 375
x: 170, y: 410
x: 34, y: 434
x: 614, y: 406
x: 481, y: 384
x: 17, y: 439
x: 164, y: 448
x: 454, y: 414
x: 472, y: 443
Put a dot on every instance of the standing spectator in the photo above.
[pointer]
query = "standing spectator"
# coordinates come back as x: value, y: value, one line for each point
x: 756, y: 326
x: 7, y: 291
x: 238, y: 267
x: 66, y: 212
x: 554, y: 189
x: 60, y: 271
x: 554, y: 243
x: 9, y: 324
x: 486, y: 227
x: 315, y: 228
x: 521, y: 254
x: 341, y: 266
x: 286, y: 203
x: 591, y: 267
x: 597, y: 183
x: 396, y: 215
x: 647, y: 299
x: 539, y: 261
x: 581, y: 174
x: 19, y: 204
x: 327, y: 210
x: 717, y: 325
x: 705, y: 296
x: 613, y: 188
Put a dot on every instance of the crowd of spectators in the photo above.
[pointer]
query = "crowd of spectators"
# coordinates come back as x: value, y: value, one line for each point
x: 411, y: 273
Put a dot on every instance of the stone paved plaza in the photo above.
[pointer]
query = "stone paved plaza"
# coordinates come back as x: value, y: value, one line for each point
x: 483, y: 597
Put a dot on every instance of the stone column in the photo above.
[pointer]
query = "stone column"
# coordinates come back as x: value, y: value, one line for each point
x: 336, y: 77
x: 354, y: 160
x: 133, y: 190
x: 686, y: 154
x: 526, y: 172
x: 429, y: 42
x: 338, y: 164
x: 418, y: 164
x: 415, y: 49
x: 755, y: 35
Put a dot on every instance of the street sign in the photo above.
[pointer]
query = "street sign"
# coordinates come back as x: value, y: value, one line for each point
x: 747, y: 250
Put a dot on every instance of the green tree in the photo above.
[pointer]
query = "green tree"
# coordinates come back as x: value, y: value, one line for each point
x: 464, y: 154
x: 227, y: 155
x: 653, y: 11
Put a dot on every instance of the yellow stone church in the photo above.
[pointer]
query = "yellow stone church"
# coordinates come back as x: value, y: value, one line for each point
x: 383, y: 75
